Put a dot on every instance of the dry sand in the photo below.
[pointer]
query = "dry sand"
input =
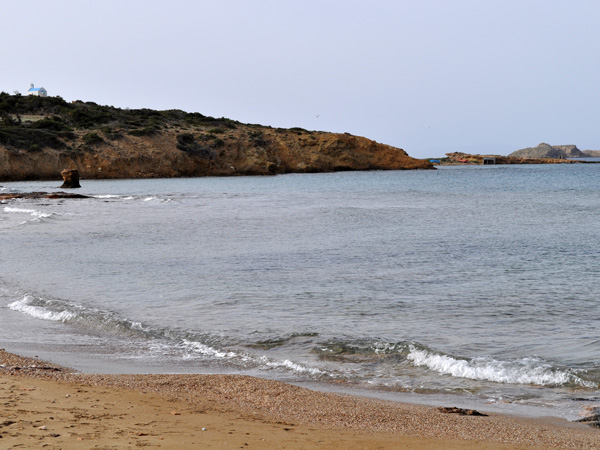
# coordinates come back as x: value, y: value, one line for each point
x: 45, y: 406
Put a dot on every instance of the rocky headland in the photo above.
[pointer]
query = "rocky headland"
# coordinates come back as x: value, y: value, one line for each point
x: 40, y: 137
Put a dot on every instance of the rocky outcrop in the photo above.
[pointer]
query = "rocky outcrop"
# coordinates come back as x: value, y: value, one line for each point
x: 591, y: 153
x: 570, y: 151
x: 465, y: 158
x: 238, y: 152
x: 544, y: 150
x: 70, y: 179
x: 52, y: 195
x: 40, y: 137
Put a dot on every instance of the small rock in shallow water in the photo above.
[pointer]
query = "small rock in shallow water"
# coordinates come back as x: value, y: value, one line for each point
x: 462, y: 412
x: 592, y: 420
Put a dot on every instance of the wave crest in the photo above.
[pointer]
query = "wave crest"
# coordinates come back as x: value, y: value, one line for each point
x: 27, y: 305
x: 523, y: 371
x: 168, y: 341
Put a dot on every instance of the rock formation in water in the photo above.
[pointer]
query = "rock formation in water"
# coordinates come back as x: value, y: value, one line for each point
x: 51, y: 195
x: 70, y: 178
x: 459, y: 158
x: 592, y: 153
x: 39, y: 137
x: 544, y: 150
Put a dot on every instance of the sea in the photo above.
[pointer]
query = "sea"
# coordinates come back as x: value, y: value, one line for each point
x: 461, y: 286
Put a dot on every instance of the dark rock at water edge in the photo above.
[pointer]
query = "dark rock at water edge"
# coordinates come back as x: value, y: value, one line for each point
x: 52, y: 195
x: 462, y: 412
x: 592, y: 421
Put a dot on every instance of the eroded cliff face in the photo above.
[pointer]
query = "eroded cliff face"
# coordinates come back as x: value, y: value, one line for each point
x: 41, y: 137
x: 234, y: 152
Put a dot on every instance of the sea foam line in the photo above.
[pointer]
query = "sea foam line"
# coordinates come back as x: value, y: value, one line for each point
x: 39, y: 312
x: 524, y: 371
x: 61, y: 311
x: 206, y: 350
x: 31, y: 212
x: 65, y: 312
x: 106, y: 196
x: 295, y: 367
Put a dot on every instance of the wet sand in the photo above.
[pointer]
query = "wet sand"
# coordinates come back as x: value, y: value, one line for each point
x: 50, y: 407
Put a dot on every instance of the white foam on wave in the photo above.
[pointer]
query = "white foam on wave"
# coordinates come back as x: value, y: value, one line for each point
x: 203, y: 349
x: 106, y: 196
x: 39, y: 312
x: 38, y: 216
x: 32, y: 212
x: 524, y: 371
x: 206, y: 350
x: 59, y: 311
x: 290, y: 365
x: 382, y: 348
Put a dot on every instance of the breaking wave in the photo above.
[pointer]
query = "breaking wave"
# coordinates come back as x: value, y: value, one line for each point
x: 167, y: 341
x: 37, y: 216
x: 522, y: 371
x: 530, y: 370
x: 398, y: 357
x: 70, y: 313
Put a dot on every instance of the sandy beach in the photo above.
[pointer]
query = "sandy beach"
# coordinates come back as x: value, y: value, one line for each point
x: 51, y: 407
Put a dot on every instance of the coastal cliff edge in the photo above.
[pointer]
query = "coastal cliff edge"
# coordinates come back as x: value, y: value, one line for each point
x: 39, y: 137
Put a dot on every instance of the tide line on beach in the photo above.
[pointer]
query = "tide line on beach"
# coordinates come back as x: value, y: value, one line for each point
x: 45, y: 403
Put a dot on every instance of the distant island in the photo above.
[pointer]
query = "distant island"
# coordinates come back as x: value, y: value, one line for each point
x: 41, y: 136
x: 544, y: 150
x: 542, y: 154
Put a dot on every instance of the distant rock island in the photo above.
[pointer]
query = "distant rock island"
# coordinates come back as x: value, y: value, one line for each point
x: 544, y: 150
x: 41, y: 136
x: 542, y: 154
x: 459, y: 158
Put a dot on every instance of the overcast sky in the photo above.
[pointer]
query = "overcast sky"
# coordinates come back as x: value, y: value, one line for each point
x: 428, y: 76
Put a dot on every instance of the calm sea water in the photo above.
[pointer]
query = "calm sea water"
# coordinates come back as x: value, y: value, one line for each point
x: 476, y: 281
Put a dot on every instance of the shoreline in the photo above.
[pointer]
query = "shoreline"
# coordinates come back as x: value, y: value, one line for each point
x: 46, y: 403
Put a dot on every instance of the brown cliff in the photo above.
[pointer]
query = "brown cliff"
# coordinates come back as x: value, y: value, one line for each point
x: 41, y: 137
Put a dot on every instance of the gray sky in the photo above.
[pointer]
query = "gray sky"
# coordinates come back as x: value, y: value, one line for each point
x: 428, y: 76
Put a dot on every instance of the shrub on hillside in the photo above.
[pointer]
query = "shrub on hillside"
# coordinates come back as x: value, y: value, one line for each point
x: 24, y: 138
x: 55, y: 123
x: 92, y: 139
x: 145, y: 131
x: 186, y: 142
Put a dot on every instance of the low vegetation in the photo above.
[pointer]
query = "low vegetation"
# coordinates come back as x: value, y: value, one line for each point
x: 29, y: 122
